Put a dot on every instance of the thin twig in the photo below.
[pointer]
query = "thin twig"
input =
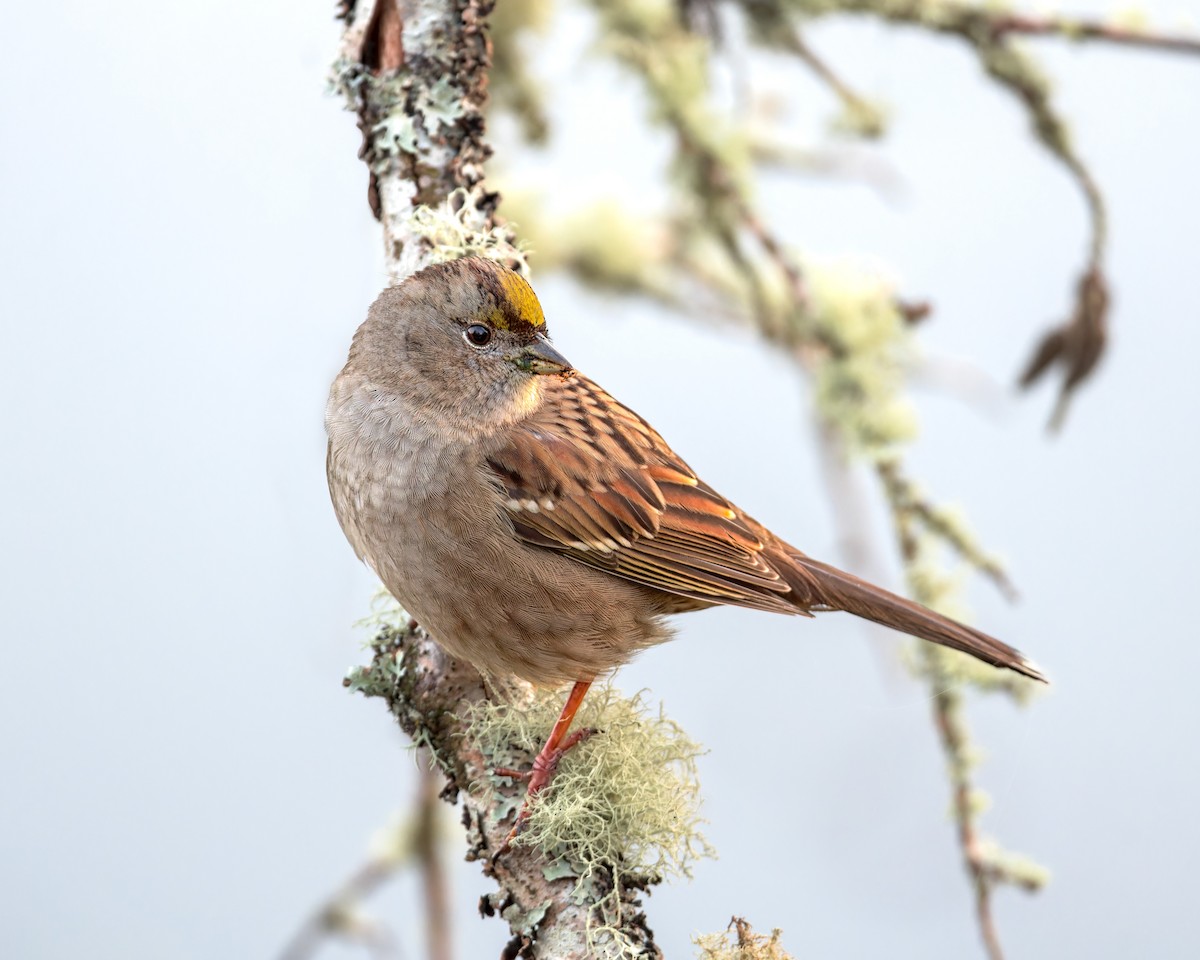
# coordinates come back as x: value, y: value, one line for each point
x: 855, y: 103
x: 340, y: 915
x: 433, y: 870
x: 1080, y: 28
x: 952, y: 733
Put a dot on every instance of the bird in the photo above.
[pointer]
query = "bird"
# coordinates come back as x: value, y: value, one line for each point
x: 532, y: 523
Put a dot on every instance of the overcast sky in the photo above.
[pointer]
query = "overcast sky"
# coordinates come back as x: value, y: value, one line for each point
x: 186, y: 253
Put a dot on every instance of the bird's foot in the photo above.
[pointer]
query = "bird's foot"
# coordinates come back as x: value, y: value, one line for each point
x: 545, y: 765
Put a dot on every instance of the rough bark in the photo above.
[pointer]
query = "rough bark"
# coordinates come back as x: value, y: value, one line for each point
x: 416, y: 73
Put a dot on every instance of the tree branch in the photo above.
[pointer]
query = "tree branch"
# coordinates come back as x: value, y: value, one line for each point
x: 1080, y: 28
x: 415, y: 73
x: 431, y: 696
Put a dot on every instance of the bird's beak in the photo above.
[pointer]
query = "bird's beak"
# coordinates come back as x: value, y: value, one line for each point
x: 541, y: 357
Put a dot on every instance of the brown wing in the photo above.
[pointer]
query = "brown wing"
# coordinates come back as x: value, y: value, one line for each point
x: 591, y: 479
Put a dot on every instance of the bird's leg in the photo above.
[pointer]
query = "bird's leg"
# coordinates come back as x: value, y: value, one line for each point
x: 546, y: 762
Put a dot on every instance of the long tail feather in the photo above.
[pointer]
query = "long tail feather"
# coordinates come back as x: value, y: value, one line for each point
x: 844, y: 591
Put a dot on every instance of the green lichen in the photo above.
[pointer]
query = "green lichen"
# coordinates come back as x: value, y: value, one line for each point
x: 440, y: 104
x: 384, y: 612
x: 623, y: 809
x: 394, y: 134
x: 861, y: 118
x: 525, y: 921
x: 461, y: 227
x: 740, y: 942
x: 859, y: 378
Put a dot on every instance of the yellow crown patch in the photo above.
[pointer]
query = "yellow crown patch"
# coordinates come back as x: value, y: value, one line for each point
x: 521, y: 300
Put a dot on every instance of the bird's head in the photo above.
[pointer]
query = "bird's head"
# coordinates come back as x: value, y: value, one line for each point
x: 461, y: 339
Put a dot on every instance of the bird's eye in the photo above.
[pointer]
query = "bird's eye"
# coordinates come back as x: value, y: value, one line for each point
x: 477, y: 335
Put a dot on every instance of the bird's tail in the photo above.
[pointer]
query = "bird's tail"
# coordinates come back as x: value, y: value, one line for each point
x: 843, y: 591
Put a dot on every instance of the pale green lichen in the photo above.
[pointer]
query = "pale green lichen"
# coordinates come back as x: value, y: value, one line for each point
x: 384, y: 612
x: 603, y: 245
x: 859, y: 378
x: 440, y: 104
x: 739, y: 942
x: 860, y: 118
x: 525, y: 921
x: 394, y: 134
x: 623, y: 807
x: 460, y: 227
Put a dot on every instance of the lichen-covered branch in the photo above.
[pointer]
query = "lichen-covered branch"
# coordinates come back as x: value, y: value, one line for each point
x: 622, y: 815
x: 987, y: 865
x: 415, y: 73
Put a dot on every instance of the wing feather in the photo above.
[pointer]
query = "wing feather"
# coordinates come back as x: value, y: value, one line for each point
x: 587, y: 477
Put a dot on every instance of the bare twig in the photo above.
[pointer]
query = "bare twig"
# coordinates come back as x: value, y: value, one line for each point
x: 433, y: 871
x: 1081, y: 28
x: 340, y: 915
x: 985, y: 865
x: 799, y: 46
x: 865, y: 118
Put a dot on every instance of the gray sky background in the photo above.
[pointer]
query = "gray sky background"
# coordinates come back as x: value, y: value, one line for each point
x: 186, y: 252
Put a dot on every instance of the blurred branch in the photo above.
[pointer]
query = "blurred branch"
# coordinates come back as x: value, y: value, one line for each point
x: 986, y: 865
x: 988, y: 33
x: 341, y: 916
x: 906, y: 501
x: 797, y: 44
x: 433, y: 871
x: 1081, y: 28
x: 414, y: 839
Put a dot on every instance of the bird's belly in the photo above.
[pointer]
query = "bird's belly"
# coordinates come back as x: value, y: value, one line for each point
x: 488, y: 598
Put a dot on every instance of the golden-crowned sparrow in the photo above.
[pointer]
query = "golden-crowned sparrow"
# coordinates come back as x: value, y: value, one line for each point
x: 533, y: 524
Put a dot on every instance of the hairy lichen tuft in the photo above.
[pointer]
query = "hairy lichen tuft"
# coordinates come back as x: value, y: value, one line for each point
x: 460, y: 228
x: 623, y: 809
x: 739, y: 942
x: 859, y: 380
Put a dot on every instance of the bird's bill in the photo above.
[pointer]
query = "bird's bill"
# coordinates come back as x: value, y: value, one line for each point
x: 541, y: 357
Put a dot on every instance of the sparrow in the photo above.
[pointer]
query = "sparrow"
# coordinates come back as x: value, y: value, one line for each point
x: 536, y: 526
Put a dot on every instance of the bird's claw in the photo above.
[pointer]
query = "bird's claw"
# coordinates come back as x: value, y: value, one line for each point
x: 545, y: 765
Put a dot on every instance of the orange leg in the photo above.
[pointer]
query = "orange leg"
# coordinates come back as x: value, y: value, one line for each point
x: 546, y: 762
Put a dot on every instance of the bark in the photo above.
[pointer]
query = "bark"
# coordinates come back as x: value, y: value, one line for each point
x: 416, y: 72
